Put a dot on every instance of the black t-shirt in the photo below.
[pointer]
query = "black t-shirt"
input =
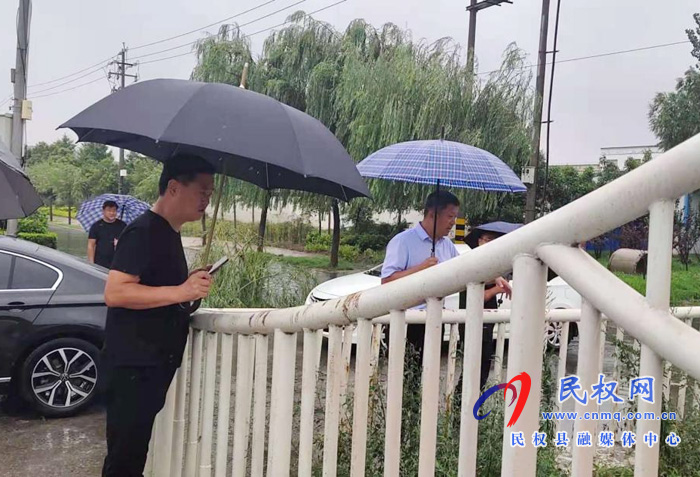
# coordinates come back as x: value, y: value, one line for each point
x: 105, y: 233
x: 150, y: 249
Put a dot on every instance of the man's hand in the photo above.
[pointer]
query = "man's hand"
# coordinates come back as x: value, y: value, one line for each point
x: 504, y: 287
x: 196, y: 286
x: 430, y: 262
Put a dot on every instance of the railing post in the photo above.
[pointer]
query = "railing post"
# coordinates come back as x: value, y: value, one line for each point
x: 361, y: 398
x: 451, y: 380
x: 179, y: 424
x: 207, y: 436
x: 471, y: 370
x: 257, y: 459
x: 394, y: 396
x: 561, y: 367
x: 195, y: 396
x: 646, y: 461
x: 500, y: 351
x: 430, y: 388
x: 309, y: 377
x: 244, y: 397
x: 282, y: 403
x: 587, y: 370
x: 525, y: 355
x: 332, y: 417
x: 223, y: 414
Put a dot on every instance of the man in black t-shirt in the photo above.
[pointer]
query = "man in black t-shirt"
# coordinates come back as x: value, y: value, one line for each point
x: 148, y: 293
x: 103, y: 235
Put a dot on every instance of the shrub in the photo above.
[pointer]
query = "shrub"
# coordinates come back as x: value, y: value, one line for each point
x: 348, y: 252
x: 37, y: 223
x: 48, y: 239
x: 316, y: 242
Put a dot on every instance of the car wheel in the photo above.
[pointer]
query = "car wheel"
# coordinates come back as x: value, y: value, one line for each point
x: 59, y: 378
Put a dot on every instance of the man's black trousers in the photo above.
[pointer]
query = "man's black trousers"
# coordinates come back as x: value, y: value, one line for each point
x: 134, y: 395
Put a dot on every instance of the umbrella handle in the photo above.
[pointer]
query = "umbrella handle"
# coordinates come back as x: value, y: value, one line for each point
x: 437, y: 194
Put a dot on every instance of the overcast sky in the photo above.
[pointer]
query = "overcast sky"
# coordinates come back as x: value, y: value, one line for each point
x: 597, y: 102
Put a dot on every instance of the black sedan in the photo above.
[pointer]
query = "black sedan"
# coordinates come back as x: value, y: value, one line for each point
x: 52, y: 319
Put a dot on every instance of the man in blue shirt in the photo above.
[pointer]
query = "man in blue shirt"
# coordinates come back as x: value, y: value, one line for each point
x: 411, y: 250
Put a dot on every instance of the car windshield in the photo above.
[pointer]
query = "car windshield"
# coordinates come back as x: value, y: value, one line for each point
x: 375, y: 271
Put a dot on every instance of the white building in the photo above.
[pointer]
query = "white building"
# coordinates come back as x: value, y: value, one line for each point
x: 619, y: 155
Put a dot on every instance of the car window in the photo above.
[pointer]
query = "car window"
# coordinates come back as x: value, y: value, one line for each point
x: 5, y: 266
x: 28, y: 274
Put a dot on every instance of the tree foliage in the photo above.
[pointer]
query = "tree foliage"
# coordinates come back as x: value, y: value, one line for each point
x: 373, y: 87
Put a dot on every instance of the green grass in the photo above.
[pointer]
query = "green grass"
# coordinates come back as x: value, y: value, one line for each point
x: 318, y: 262
x: 684, y: 283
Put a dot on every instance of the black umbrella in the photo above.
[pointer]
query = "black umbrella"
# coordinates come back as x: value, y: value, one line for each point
x: 244, y: 134
x: 18, y: 198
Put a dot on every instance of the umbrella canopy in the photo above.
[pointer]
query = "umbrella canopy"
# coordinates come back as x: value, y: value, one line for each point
x: 243, y: 134
x: 453, y: 164
x: 18, y: 198
x: 128, y: 209
x: 498, y: 228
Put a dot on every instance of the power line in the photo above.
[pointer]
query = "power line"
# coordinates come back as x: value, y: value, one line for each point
x: 106, y: 60
x: 204, y: 27
x: 601, y: 55
x: 66, y: 90
x: 245, y: 36
x: 90, y: 73
x: 240, y: 26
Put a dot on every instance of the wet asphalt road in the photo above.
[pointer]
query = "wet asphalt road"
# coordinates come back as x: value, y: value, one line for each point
x: 32, y: 446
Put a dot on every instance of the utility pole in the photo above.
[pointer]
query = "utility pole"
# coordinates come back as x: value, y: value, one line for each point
x: 20, y: 108
x: 121, y: 76
x: 473, y: 9
x: 530, y: 172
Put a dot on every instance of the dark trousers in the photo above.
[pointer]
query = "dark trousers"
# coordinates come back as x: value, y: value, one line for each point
x: 134, y: 395
x: 415, y: 337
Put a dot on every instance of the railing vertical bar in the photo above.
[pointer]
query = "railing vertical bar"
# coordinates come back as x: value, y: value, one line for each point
x: 397, y: 351
x: 205, y: 456
x: 683, y: 386
x: 500, y: 351
x: 149, y: 467
x: 587, y: 371
x: 377, y: 331
x: 257, y: 460
x: 178, y: 447
x: 282, y: 402
x: 430, y: 387
x: 646, y: 463
x: 525, y: 355
x: 468, y: 430
x: 164, y: 433
x: 348, y: 333
x: 561, y: 368
x: 224, y: 410
x: 312, y: 344
x: 361, y: 398
x: 450, y: 382
x: 332, y: 415
x: 244, y: 397
x: 191, y: 453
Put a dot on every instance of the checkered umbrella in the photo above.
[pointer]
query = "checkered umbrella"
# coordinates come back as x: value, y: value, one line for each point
x: 440, y: 162
x: 128, y: 209
x: 453, y: 164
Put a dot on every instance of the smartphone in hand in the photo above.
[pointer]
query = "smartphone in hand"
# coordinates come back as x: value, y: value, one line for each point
x: 220, y: 263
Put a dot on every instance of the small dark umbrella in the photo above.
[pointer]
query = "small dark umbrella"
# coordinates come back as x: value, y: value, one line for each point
x: 497, y: 228
x: 244, y: 134
x: 18, y: 198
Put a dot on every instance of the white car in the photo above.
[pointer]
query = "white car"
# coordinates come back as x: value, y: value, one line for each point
x: 559, y: 296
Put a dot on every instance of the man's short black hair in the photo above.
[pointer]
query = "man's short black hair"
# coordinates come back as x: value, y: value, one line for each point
x: 109, y: 203
x: 441, y: 199
x: 184, y: 169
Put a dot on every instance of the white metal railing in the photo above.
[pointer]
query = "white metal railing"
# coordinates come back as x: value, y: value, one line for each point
x: 198, y: 442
